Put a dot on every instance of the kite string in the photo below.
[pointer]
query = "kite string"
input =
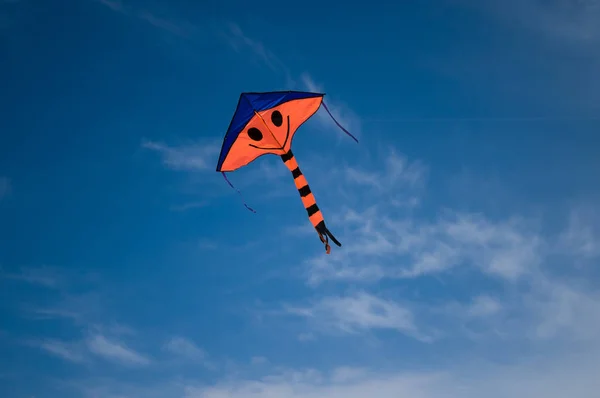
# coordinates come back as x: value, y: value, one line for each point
x: 336, y: 122
x: 239, y: 193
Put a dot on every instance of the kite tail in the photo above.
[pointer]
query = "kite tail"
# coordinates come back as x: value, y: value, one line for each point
x: 308, y: 200
x: 336, y: 122
x: 239, y: 193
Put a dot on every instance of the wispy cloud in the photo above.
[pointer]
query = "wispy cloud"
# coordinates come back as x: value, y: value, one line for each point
x: 394, y: 244
x: 571, y: 21
x: 76, y: 296
x: 193, y: 157
x: 360, y: 312
x: 71, y: 352
x: 78, y: 303
x: 565, y: 376
x: 570, y: 375
x: 562, y: 310
x: 37, y: 313
x: 397, y: 173
x: 186, y: 352
x: 45, y: 276
x: 258, y: 360
x: 83, y: 308
x: 115, y: 5
x: 483, y: 306
x: 115, y: 351
x: 582, y: 235
x: 94, y: 345
x: 179, y: 28
x: 239, y: 42
x: 184, y: 347
x: 385, y: 243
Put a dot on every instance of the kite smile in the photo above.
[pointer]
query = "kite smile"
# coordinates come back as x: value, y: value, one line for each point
x: 277, y: 120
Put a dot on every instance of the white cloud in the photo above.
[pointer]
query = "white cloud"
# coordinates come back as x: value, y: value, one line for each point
x: 381, y: 242
x: 566, y: 375
x: 563, y: 375
x: 193, y: 157
x: 115, y: 351
x: 185, y: 348
x: 575, y: 20
x: 179, y: 28
x: 68, y: 351
x: 562, y: 311
x: 76, y: 297
x: 84, y: 311
x: 114, y: 5
x: 237, y: 39
x: 398, y: 172
x: 258, y: 360
x: 566, y: 21
x: 45, y: 276
x: 359, y: 312
x: 306, y: 337
x: 483, y: 306
x: 582, y: 235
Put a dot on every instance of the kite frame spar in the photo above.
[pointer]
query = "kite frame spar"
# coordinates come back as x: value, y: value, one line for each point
x: 252, y: 109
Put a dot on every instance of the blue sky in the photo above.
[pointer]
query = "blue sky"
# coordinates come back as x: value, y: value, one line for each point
x: 468, y: 212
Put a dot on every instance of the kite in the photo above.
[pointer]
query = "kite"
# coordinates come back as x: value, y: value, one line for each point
x: 265, y: 123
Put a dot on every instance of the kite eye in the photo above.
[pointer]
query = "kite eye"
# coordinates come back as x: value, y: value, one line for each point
x: 277, y: 118
x: 255, y: 134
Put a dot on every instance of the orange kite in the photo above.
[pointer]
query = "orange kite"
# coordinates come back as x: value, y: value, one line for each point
x: 265, y: 123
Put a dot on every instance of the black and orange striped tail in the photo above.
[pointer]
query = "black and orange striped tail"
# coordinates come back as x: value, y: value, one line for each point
x: 308, y: 200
